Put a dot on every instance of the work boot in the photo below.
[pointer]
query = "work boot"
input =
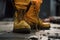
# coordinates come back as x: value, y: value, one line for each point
x: 20, y: 25
x: 32, y: 16
x: 27, y: 13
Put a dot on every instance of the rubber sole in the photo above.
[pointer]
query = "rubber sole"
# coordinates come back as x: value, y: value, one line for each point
x: 24, y: 31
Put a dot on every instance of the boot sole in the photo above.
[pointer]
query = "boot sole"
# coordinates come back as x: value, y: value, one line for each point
x: 22, y: 30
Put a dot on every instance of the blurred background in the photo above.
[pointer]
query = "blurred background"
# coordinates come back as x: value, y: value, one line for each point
x: 48, y: 8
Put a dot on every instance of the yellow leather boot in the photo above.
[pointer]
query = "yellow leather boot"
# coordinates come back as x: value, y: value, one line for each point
x: 32, y: 16
x: 20, y: 25
x: 27, y: 15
